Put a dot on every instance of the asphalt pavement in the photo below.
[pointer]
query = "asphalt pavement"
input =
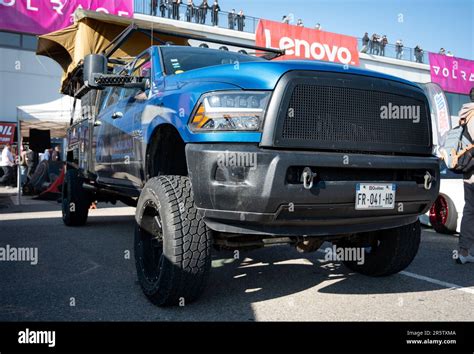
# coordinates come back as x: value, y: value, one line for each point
x: 88, y: 274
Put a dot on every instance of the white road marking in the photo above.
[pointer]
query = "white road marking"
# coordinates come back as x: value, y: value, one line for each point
x: 433, y: 281
x: 438, y: 282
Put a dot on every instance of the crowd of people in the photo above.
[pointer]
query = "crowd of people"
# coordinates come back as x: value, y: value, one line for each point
x: 376, y: 45
x: 197, y: 13
x: 28, y: 160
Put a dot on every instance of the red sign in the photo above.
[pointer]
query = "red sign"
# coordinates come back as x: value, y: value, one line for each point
x: 307, y: 43
x: 7, y: 132
x: 451, y: 73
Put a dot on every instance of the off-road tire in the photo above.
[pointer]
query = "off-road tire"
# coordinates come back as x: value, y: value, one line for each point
x: 394, y: 250
x: 174, y: 259
x: 75, y: 200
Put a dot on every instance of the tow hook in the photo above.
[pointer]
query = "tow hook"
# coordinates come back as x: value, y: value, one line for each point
x: 428, y: 180
x: 308, y: 178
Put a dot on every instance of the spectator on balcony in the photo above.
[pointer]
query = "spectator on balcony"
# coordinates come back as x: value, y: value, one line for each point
x: 399, y: 49
x: 190, y: 8
x: 232, y: 17
x: 365, y: 43
x: 300, y: 23
x: 442, y: 51
x: 449, y: 54
x: 215, y: 13
x: 317, y: 27
x: 175, y: 4
x: 203, y: 12
x: 240, y: 21
x: 284, y: 19
x: 169, y: 7
x: 418, y: 54
x: 374, y: 49
x: 371, y: 44
x: 383, y: 44
x: 163, y: 6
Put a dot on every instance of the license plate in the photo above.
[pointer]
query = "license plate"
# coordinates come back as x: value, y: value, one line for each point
x: 375, y: 196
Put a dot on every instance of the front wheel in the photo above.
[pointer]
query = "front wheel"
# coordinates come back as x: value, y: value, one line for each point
x: 386, y: 252
x: 172, y: 242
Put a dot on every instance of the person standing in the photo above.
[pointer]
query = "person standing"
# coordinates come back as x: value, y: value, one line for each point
x: 231, y: 19
x: 399, y: 49
x: 30, y: 162
x: 466, y: 238
x: 203, y: 12
x: 442, y: 51
x: 372, y: 44
x: 365, y: 43
x: 7, y: 164
x: 215, y: 13
x: 317, y: 27
x: 241, y: 21
x: 163, y: 8
x: 300, y: 23
x: 190, y: 11
x: 56, y: 155
x: 418, y: 54
x: 383, y: 43
x: 175, y: 9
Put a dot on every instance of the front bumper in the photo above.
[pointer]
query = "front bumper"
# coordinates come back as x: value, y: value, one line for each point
x: 244, y: 189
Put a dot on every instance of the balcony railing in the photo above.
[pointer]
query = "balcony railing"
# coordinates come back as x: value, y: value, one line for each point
x: 224, y: 20
x: 249, y: 24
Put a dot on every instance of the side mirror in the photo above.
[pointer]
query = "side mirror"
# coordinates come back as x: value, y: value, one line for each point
x: 94, y: 64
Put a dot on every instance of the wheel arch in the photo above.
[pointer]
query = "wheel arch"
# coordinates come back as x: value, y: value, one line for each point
x: 165, y: 152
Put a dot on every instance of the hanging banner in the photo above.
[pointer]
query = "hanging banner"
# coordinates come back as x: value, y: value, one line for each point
x: 7, y: 132
x: 307, y: 43
x: 440, y: 115
x: 44, y: 16
x: 452, y: 74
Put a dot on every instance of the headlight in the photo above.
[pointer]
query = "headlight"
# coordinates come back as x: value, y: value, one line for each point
x: 230, y: 110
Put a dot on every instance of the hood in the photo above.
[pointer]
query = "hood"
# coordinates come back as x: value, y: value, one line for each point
x: 264, y: 75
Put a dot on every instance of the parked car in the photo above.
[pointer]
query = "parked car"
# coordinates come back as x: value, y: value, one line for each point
x: 446, y: 213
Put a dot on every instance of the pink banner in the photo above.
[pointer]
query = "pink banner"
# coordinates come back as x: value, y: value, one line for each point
x: 451, y: 73
x: 43, y: 16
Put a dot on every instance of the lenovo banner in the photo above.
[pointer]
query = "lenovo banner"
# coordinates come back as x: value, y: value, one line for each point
x: 452, y: 74
x: 307, y: 43
x: 7, y: 132
x: 44, y: 16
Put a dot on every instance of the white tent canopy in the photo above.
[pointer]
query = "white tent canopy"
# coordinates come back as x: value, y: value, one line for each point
x: 54, y: 116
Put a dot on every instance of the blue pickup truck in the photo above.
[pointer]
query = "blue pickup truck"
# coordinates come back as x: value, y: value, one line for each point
x: 218, y: 149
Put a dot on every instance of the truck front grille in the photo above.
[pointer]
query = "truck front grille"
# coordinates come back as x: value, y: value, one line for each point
x: 347, y: 115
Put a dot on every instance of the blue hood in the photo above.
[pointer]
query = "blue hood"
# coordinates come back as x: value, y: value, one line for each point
x: 264, y: 75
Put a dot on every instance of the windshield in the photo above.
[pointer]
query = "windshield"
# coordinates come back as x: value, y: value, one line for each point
x: 181, y: 59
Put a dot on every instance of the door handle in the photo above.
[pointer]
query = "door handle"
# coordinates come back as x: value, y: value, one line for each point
x: 116, y: 115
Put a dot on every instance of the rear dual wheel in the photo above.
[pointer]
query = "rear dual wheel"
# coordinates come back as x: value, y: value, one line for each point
x: 75, y: 200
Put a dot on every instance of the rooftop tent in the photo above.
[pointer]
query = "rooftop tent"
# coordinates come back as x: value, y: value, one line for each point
x: 54, y: 116
x: 92, y: 33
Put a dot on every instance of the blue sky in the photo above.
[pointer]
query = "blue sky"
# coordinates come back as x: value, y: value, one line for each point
x: 431, y: 23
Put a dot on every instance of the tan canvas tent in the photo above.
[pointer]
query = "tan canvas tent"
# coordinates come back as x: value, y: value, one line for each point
x: 92, y: 32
